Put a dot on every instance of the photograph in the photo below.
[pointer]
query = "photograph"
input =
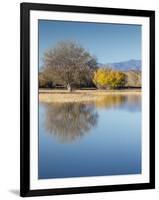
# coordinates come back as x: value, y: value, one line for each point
x: 89, y: 99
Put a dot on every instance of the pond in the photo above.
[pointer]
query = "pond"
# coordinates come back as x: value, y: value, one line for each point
x: 90, y: 139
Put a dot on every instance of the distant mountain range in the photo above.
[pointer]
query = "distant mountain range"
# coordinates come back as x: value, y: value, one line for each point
x: 124, y: 66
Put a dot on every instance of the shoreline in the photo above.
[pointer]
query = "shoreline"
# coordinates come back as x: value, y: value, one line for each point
x: 63, y: 96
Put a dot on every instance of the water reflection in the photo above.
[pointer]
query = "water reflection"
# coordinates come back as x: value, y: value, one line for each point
x: 99, y: 138
x: 110, y: 101
x: 130, y: 103
x: 133, y: 103
x: 69, y: 121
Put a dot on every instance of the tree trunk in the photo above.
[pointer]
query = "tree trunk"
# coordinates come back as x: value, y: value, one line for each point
x: 69, y: 87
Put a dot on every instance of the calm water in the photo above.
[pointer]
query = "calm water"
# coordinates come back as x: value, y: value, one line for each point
x: 103, y: 138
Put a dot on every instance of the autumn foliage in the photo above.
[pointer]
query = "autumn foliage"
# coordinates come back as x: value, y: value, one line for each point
x: 109, y: 79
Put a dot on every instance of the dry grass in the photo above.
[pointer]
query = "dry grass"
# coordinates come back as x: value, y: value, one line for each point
x: 50, y: 96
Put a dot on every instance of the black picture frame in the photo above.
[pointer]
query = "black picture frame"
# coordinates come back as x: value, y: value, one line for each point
x: 25, y: 9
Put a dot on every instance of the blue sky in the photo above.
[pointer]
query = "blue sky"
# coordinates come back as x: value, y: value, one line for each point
x: 107, y: 42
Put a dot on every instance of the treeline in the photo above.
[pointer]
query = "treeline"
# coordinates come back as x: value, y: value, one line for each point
x: 69, y: 65
x: 101, y: 79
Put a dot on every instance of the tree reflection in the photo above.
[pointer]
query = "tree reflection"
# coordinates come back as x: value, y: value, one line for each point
x: 110, y: 101
x: 130, y: 103
x: 133, y: 103
x: 69, y: 121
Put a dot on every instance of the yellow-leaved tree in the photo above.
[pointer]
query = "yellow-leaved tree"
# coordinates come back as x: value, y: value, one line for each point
x: 108, y: 78
x: 117, y: 79
x: 101, y: 78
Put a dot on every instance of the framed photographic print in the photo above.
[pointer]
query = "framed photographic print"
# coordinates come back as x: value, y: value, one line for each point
x: 87, y: 99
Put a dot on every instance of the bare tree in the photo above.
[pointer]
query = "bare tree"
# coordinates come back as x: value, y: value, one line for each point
x: 68, y: 63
